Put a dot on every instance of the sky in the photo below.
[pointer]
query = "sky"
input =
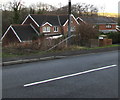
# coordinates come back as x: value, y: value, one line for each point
x: 109, y: 6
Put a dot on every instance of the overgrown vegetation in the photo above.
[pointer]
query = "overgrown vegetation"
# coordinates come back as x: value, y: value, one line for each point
x: 84, y: 33
x: 24, y: 51
x: 115, y: 36
x: 37, y: 45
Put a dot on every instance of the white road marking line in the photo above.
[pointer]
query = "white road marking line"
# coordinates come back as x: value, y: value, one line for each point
x: 66, y: 76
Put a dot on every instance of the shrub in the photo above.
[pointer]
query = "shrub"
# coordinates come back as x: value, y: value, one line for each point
x: 115, y: 36
x: 84, y: 33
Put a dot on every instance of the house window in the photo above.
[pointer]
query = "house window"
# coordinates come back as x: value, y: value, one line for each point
x: 55, y: 29
x: 94, y: 26
x: 108, y: 26
x: 46, y: 29
x: 73, y: 29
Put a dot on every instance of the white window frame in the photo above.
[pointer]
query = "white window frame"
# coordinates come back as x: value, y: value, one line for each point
x: 71, y: 21
x: 46, y: 29
x: 108, y: 26
x: 72, y: 28
x: 56, y: 29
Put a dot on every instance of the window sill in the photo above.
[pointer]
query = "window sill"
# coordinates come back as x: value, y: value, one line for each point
x: 46, y: 31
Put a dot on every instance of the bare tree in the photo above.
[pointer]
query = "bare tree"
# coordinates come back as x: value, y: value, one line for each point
x: 41, y: 8
x: 85, y: 32
x: 80, y: 9
x: 93, y: 10
x: 16, y: 7
x: 32, y: 8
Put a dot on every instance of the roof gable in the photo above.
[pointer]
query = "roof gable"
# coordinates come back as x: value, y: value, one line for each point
x: 25, y: 32
x: 66, y: 18
x: 46, y: 24
x: 63, y: 19
x: 53, y: 20
x: 42, y: 19
x: 29, y: 16
x: 10, y: 27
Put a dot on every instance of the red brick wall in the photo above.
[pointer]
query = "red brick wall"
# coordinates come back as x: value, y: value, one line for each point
x: 103, y: 27
x: 105, y: 42
x: 63, y: 29
x: 74, y: 23
x: 10, y: 37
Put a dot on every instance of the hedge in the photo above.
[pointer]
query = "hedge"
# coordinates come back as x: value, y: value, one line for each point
x: 115, y: 36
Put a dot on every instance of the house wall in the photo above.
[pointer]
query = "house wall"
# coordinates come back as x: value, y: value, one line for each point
x: 79, y: 21
x: 9, y: 38
x: 103, y: 27
x: 65, y: 28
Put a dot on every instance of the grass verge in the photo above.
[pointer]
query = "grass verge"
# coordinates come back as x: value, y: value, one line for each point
x: 10, y: 52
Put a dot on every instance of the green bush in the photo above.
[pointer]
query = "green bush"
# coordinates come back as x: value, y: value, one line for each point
x: 115, y: 36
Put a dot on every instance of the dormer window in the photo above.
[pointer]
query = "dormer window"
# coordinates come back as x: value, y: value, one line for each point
x: 46, y: 29
x: 55, y: 29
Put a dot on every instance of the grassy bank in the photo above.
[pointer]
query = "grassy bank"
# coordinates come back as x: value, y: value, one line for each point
x: 10, y: 52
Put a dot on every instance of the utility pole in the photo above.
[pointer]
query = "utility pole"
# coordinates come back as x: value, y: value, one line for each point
x: 69, y: 21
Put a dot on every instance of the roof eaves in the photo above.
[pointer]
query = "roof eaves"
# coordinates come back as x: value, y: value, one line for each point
x: 16, y: 34
x: 6, y: 32
x: 81, y: 19
x: 25, y: 20
x: 74, y: 18
x: 106, y: 23
x: 65, y: 23
x: 34, y: 20
x: 47, y: 23
x: 34, y: 29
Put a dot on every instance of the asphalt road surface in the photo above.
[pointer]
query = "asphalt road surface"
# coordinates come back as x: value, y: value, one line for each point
x: 102, y: 83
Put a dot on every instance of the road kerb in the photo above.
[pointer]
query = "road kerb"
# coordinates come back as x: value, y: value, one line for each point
x: 43, y: 59
x: 31, y: 60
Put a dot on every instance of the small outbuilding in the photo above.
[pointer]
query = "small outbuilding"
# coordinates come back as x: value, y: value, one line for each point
x: 19, y: 33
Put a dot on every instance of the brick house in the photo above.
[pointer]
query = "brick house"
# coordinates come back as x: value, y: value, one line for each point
x: 49, y: 25
x: 104, y: 24
x: 18, y: 34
